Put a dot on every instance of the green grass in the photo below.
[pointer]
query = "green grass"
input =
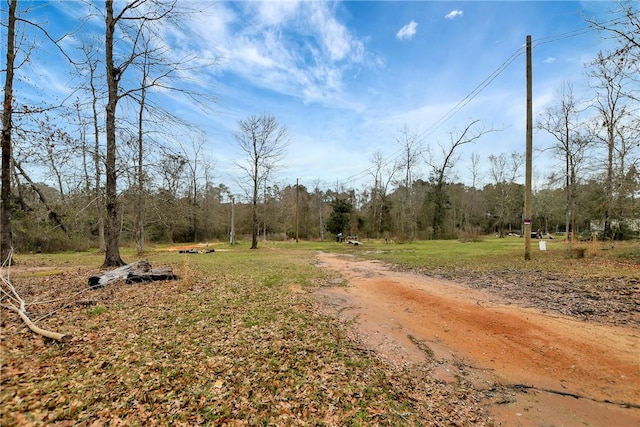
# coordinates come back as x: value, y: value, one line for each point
x: 493, y: 255
x: 236, y: 339
x: 239, y: 338
x: 270, y: 263
x: 96, y: 311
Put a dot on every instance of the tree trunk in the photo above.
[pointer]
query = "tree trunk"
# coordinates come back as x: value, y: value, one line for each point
x: 85, y: 151
x: 5, y: 191
x: 112, y: 255
x: 569, y: 215
x: 254, y: 207
x: 609, y: 179
x: 140, y: 228
x: 96, y: 158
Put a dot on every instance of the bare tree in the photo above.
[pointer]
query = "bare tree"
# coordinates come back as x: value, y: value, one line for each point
x: 507, y: 197
x: 7, y: 128
x: 473, y: 212
x: 412, y: 151
x: 113, y: 75
x: 171, y: 168
x: 382, y: 177
x: 138, y: 26
x: 562, y: 122
x: 88, y: 67
x: 441, y: 166
x: 195, y: 167
x: 82, y: 139
x: 142, y: 100
x: 626, y: 30
x: 263, y: 140
x: 615, y: 123
x: 318, y: 202
x: 134, y: 19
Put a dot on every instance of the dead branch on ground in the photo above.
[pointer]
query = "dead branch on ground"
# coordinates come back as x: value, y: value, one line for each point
x: 14, y: 302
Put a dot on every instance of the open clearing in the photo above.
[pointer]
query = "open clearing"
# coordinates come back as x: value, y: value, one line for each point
x: 537, y: 368
x: 291, y: 335
x: 239, y: 340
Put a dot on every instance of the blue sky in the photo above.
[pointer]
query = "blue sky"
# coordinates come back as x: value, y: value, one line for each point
x: 346, y: 77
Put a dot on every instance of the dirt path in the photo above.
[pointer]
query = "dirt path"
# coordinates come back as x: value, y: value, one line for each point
x: 555, y: 370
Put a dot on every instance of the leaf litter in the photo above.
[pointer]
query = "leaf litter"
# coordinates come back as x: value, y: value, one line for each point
x: 208, y: 349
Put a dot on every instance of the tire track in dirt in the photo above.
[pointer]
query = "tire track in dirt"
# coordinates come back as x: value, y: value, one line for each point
x: 501, y: 348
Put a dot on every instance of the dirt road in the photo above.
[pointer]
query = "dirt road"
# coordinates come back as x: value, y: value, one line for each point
x: 553, y: 370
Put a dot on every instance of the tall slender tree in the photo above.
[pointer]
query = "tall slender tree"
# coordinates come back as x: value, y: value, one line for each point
x: 379, y: 203
x: 89, y: 66
x: 139, y: 15
x: 263, y: 141
x: 506, y: 196
x: 615, y: 117
x: 562, y: 122
x: 412, y: 151
x: 112, y: 254
x: 7, y: 128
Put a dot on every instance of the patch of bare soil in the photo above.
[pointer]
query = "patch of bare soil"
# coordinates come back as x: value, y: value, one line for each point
x: 535, y: 368
x: 599, y: 299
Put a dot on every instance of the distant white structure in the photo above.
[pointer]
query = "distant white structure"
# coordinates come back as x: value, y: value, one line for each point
x: 597, y: 226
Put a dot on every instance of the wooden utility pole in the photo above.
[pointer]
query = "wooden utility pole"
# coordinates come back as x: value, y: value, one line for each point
x: 529, y: 160
x: 297, y: 199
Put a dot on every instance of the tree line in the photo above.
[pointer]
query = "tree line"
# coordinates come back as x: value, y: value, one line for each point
x: 116, y: 168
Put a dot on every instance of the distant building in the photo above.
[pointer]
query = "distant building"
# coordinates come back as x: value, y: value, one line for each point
x: 597, y: 226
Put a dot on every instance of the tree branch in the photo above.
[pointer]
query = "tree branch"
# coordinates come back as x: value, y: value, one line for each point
x: 17, y: 304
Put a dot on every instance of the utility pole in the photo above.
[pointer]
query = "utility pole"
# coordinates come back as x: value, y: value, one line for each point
x: 297, y: 199
x: 529, y: 160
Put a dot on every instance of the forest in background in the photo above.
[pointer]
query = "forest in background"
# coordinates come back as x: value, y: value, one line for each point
x: 167, y: 189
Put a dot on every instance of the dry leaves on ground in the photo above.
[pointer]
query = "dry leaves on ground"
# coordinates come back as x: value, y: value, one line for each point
x: 211, y: 349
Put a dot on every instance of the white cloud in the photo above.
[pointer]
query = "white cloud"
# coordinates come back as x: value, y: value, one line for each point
x: 333, y: 36
x: 454, y: 14
x: 300, y: 49
x: 549, y: 60
x: 408, y: 31
x: 276, y: 13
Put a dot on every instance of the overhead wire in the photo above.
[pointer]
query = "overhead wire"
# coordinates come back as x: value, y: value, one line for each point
x: 481, y: 87
x: 450, y: 113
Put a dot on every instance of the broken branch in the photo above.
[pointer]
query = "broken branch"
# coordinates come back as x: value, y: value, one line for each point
x: 17, y: 304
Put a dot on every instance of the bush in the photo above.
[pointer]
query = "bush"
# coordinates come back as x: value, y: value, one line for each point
x: 471, y: 234
x: 38, y: 237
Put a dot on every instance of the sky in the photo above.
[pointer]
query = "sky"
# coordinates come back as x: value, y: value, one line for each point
x: 346, y: 77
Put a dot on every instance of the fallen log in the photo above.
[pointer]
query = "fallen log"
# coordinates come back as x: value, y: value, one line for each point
x: 137, y: 272
x: 195, y: 251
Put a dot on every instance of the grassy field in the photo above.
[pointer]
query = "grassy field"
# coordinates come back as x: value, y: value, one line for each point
x: 239, y: 339
x: 495, y: 255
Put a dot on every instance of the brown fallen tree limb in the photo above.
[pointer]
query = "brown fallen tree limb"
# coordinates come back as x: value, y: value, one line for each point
x: 137, y: 272
x: 17, y: 304
x: 49, y: 334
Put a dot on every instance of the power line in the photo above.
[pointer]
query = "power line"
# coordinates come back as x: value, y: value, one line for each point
x: 483, y: 85
x: 451, y: 113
